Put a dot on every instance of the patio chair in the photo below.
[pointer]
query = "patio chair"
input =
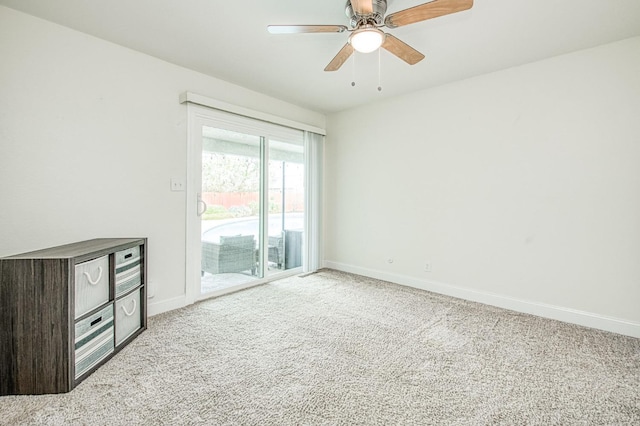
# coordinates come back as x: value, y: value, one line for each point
x: 276, y: 250
x: 286, y: 250
x: 232, y: 254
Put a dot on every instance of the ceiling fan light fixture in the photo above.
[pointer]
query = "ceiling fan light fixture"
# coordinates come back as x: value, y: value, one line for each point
x: 366, y: 39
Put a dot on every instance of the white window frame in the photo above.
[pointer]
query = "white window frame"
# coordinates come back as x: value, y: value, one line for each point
x: 204, y: 111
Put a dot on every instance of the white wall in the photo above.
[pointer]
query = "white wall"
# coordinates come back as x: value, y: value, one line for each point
x: 521, y: 187
x: 90, y: 135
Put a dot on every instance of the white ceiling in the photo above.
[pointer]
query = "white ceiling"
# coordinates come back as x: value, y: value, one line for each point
x: 229, y: 40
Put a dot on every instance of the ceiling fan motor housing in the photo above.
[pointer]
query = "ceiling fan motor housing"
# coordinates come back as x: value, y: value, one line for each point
x: 376, y: 18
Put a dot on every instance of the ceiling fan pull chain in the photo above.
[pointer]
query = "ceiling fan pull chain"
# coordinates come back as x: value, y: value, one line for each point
x: 379, y: 72
x: 353, y: 71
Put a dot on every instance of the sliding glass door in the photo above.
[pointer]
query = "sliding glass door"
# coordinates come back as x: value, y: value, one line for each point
x: 250, y: 202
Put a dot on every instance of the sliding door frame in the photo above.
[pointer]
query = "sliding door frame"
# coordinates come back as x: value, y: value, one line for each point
x: 199, y: 116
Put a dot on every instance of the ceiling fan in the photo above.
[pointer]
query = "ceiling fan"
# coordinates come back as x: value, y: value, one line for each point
x: 366, y: 19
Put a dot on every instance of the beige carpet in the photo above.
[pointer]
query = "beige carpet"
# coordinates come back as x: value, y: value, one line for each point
x: 339, y: 349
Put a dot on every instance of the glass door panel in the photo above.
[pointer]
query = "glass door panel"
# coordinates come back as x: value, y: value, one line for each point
x: 230, y: 224
x: 286, y: 206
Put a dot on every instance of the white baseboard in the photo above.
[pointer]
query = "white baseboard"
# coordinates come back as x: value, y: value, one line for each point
x: 165, y: 305
x: 587, y: 319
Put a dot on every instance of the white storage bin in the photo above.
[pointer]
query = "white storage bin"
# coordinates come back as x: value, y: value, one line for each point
x: 93, y: 339
x: 92, y: 285
x: 128, y: 270
x: 128, y: 315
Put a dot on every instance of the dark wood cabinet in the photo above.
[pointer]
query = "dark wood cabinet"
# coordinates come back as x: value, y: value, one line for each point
x: 66, y: 310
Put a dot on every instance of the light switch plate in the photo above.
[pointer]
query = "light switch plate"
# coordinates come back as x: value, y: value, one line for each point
x: 177, y: 184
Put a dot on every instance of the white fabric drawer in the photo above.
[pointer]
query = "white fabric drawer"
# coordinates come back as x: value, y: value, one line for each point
x: 92, y: 285
x: 128, y: 315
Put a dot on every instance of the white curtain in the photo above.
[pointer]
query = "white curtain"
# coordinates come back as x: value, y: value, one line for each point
x: 314, y: 150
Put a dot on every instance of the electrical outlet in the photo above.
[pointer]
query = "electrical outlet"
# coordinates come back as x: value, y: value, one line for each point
x: 427, y: 267
x: 151, y: 286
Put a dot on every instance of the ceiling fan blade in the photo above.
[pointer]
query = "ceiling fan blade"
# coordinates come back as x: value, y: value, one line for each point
x: 402, y: 50
x: 362, y: 7
x: 340, y: 58
x: 300, y: 29
x: 426, y: 11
